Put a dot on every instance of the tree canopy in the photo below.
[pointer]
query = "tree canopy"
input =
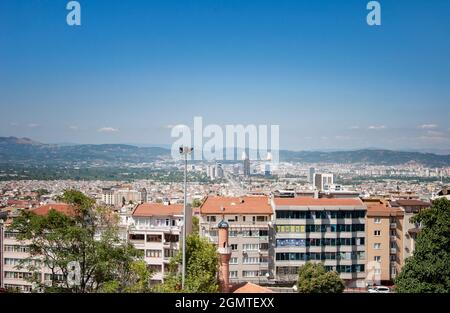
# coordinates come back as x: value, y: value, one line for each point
x: 428, y: 269
x: 313, y: 278
x: 201, y: 268
x: 87, y: 236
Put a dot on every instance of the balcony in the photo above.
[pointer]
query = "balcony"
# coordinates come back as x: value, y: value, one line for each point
x: 393, y: 250
x: 393, y: 238
x: 393, y: 225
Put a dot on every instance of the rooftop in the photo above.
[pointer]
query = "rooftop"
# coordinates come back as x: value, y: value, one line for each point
x: 308, y: 201
x: 63, y: 208
x: 157, y: 209
x: 236, y: 205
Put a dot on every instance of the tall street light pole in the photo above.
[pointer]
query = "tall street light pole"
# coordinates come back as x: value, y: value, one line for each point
x: 184, y: 151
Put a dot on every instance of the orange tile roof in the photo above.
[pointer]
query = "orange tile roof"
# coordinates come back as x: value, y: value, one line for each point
x: 236, y: 205
x: 157, y: 209
x: 308, y: 201
x: 59, y: 207
x: 249, y: 288
x: 380, y: 208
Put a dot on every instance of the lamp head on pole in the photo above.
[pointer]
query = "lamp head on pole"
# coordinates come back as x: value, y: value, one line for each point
x: 185, y: 150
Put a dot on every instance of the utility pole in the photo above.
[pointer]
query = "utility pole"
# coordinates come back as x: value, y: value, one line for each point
x: 184, y: 151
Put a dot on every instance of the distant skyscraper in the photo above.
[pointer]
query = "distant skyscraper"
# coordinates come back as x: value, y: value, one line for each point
x: 219, y: 170
x: 312, y: 173
x: 322, y: 181
x: 246, y: 164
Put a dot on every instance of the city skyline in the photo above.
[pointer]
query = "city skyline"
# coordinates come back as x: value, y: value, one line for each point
x: 131, y: 71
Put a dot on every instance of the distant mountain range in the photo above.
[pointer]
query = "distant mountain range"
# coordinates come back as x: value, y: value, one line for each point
x: 15, y: 150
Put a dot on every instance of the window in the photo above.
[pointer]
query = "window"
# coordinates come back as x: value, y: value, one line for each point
x: 261, y: 218
x: 155, y: 267
x: 168, y: 253
x: 210, y: 218
x: 137, y: 237
x: 377, y: 246
x: 233, y: 260
x: 377, y: 258
x: 250, y: 273
x: 154, y: 238
x: 153, y: 253
x: 250, y: 247
x: 250, y: 260
x: 377, y: 232
x: 233, y: 274
x: 233, y: 247
x: 377, y: 220
x: 377, y: 271
x: 233, y: 233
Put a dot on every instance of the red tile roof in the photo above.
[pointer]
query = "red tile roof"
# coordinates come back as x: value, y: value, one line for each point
x: 249, y: 288
x: 157, y: 209
x: 59, y: 207
x: 236, y: 205
x: 378, y: 208
x: 308, y: 201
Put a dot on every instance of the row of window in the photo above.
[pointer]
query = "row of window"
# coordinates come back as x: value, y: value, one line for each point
x: 356, y: 268
x: 307, y: 256
x: 16, y: 248
x: 254, y: 246
x: 22, y: 262
x: 259, y: 218
x: 319, y: 228
x: 319, y: 242
x: 153, y: 253
x: 289, y: 214
x: 250, y: 260
x: 249, y: 274
x: 18, y: 275
x: 243, y: 233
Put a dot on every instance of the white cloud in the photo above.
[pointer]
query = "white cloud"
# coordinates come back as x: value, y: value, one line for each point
x: 73, y: 127
x: 435, y: 133
x: 428, y: 126
x: 377, y: 127
x: 33, y: 125
x: 108, y: 130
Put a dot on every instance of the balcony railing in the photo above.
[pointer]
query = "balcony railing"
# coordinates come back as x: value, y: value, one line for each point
x: 393, y: 250
x: 393, y: 225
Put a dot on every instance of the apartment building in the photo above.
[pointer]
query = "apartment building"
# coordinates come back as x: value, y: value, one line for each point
x: 249, y: 220
x: 156, y: 229
x: 325, y: 230
x: 119, y: 196
x: 410, y: 229
x: 384, y: 233
x: 14, y: 252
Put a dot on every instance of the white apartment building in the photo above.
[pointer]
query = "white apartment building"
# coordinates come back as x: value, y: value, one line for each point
x: 121, y: 195
x: 322, y: 181
x: 14, y: 252
x: 249, y: 234
x: 156, y: 229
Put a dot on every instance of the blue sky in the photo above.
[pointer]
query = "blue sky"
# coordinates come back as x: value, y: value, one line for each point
x: 133, y: 68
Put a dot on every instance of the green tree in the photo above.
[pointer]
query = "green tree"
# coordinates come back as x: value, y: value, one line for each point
x: 40, y: 192
x: 195, y: 225
x: 201, y: 271
x: 87, y: 235
x: 196, y: 203
x: 428, y: 269
x: 313, y: 278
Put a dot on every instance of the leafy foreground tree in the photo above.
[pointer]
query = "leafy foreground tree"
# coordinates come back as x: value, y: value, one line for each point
x: 87, y: 236
x: 428, y: 269
x: 201, y: 271
x: 313, y: 278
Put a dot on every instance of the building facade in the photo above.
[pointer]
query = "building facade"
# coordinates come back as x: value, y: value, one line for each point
x: 331, y: 231
x: 384, y: 233
x: 156, y: 230
x: 249, y: 234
